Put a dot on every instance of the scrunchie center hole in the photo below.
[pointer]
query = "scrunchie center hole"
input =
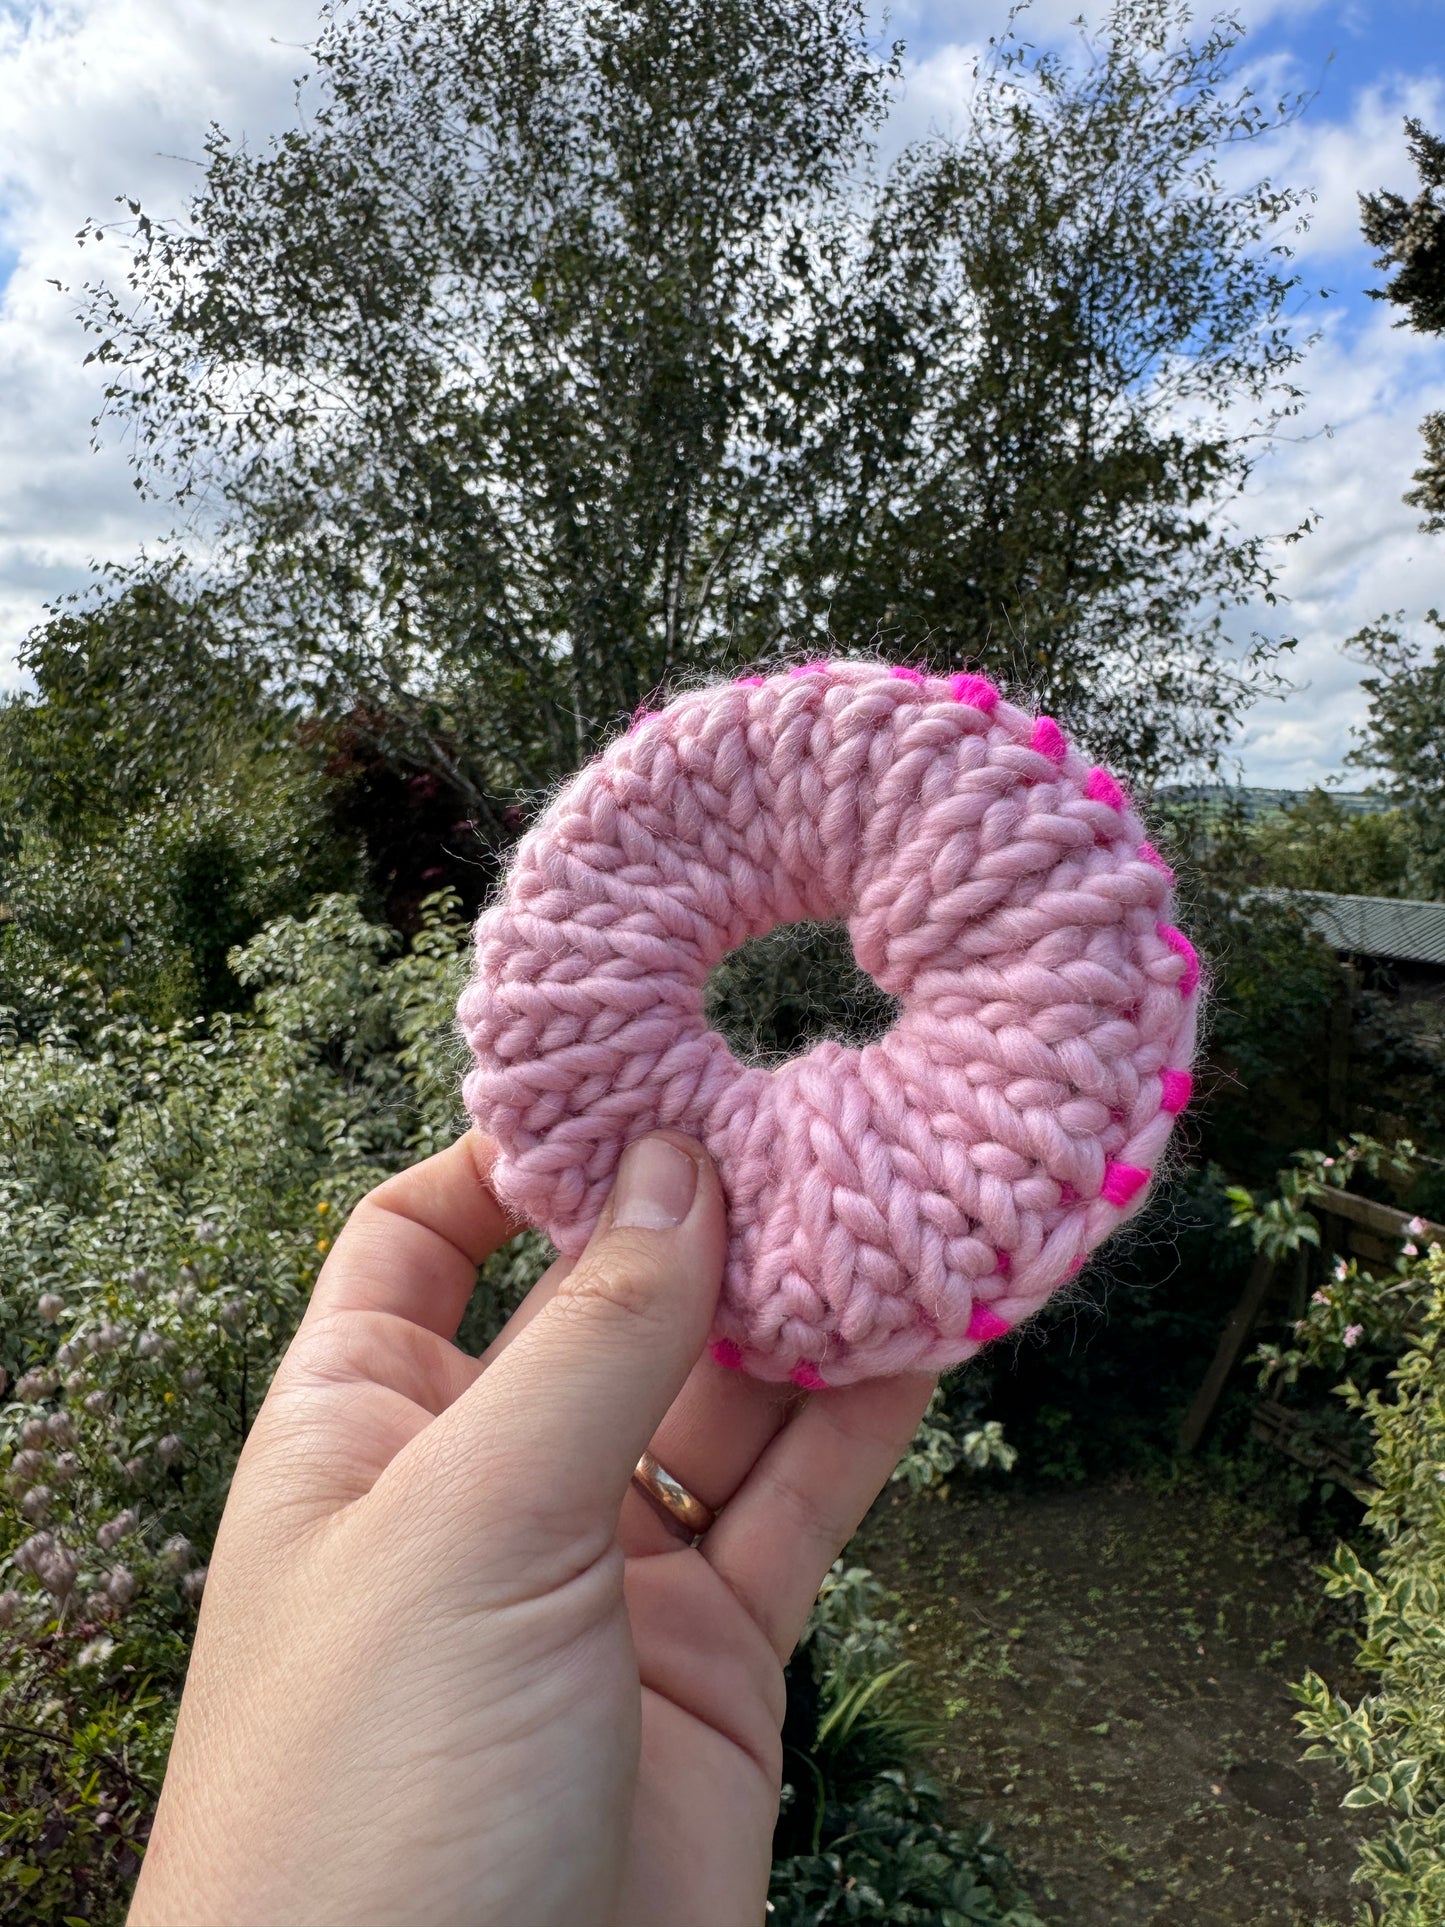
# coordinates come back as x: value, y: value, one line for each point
x: 777, y: 996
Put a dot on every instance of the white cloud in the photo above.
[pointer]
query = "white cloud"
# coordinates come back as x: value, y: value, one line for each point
x: 104, y: 95
x: 1350, y: 455
x: 1369, y: 385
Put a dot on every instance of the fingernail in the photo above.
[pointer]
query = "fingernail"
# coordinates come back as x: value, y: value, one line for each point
x: 656, y: 1184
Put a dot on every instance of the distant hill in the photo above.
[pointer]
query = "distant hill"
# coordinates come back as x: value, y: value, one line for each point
x: 1257, y: 802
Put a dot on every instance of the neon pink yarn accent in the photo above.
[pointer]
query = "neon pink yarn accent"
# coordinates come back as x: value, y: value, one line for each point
x: 1048, y: 740
x: 1182, y: 947
x: 748, y: 682
x: 977, y: 691
x: 1122, y: 1183
x: 728, y: 1354
x: 809, y: 1377
x: 908, y: 675
x: 1151, y: 855
x: 984, y: 1325
x: 1175, y: 1090
x: 1104, y: 788
x: 1039, y: 1005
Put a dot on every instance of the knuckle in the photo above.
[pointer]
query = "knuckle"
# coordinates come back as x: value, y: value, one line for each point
x: 615, y: 1281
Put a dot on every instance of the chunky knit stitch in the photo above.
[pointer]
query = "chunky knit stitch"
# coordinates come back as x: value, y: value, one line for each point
x: 893, y: 1207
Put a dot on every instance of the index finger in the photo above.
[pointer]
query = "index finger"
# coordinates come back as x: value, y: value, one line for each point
x: 413, y: 1245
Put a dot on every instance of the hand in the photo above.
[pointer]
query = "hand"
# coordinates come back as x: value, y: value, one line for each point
x: 450, y: 1666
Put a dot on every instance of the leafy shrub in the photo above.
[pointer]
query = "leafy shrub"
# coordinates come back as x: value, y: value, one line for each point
x: 1392, y: 1740
x: 861, y: 1836
x: 1385, y: 1330
x: 889, y: 1861
x: 168, y: 1194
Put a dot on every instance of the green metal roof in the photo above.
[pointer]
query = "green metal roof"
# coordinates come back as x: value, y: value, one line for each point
x: 1395, y: 927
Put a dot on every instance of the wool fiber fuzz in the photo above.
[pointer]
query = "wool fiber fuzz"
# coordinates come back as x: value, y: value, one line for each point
x: 894, y: 1207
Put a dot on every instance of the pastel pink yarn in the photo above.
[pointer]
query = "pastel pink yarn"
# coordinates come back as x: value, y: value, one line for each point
x: 897, y: 1206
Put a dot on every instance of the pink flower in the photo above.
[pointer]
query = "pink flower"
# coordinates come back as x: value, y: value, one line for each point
x: 1320, y: 1298
x: 1416, y: 1227
x: 1329, y: 1164
x: 1412, y: 1251
x: 1353, y: 1334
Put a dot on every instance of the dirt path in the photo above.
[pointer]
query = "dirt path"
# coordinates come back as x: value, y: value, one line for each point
x: 1111, y: 1664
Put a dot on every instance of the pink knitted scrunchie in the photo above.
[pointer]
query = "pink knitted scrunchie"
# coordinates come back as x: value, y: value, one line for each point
x: 894, y: 1207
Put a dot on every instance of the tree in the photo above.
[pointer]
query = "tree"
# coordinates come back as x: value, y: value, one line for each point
x: 137, y: 686
x: 158, y: 805
x: 1401, y: 738
x: 1409, y: 237
x: 573, y: 346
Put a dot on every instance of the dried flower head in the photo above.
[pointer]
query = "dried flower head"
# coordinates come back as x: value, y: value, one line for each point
x: 33, y: 1432
x: 122, y: 1585
x: 57, y: 1571
x: 50, y: 1305
x: 116, y: 1529
x: 175, y: 1554
x: 27, y: 1555
x: 36, y: 1504
x: 60, y: 1428
x: 194, y: 1584
x: 25, y: 1468
x: 67, y: 1468
x: 169, y: 1448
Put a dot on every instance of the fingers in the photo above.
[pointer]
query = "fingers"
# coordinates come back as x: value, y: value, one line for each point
x: 565, y: 1408
x: 412, y: 1246
x: 807, y: 1496
x: 710, y: 1439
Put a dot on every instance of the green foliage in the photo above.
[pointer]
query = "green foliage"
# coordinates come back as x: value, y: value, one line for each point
x: 1317, y: 844
x: 568, y: 348
x: 1409, y: 239
x: 158, y: 810
x: 140, y: 688
x: 890, y: 1861
x: 1402, y: 738
x: 862, y: 1836
x: 1280, y: 1224
x: 168, y: 1194
x: 939, y: 1447
x: 1392, y: 1740
x: 1274, y: 985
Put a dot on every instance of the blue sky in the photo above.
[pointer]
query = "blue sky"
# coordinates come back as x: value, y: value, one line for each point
x: 105, y: 95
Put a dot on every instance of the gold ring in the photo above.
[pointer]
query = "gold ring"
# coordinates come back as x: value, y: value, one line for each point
x: 678, y: 1506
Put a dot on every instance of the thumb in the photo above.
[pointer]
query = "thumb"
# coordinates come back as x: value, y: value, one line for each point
x: 561, y: 1416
